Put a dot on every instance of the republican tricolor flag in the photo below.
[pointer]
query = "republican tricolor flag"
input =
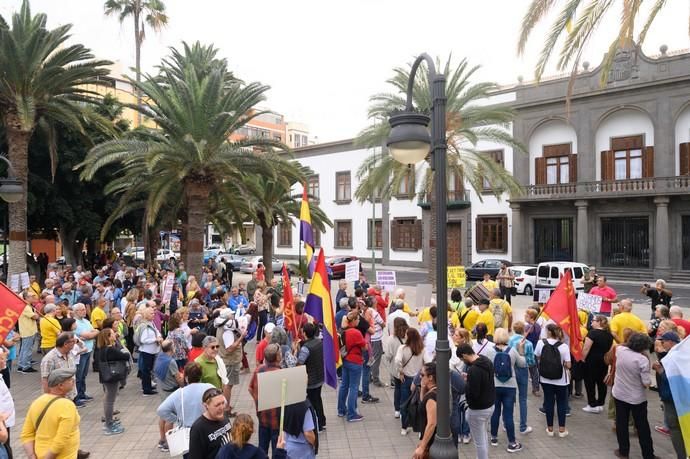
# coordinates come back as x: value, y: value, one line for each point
x: 320, y: 306
x: 306, y: 233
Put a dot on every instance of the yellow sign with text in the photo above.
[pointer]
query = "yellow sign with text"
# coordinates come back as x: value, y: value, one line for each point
x: 456, y: 277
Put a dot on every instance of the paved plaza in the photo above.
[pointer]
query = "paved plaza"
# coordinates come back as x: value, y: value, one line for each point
x: 378, y: 436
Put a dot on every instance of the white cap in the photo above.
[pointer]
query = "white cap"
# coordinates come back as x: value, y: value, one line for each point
x: 268, y: 328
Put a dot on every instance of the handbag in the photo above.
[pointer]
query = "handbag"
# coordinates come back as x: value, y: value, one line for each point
x: 610, y: 358
x: 178, y: 436
x: 112, y: 371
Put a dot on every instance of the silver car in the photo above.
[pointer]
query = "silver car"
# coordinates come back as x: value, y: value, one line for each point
x: 244, y: 249
x: 249, y: 265
x: 232, y: 259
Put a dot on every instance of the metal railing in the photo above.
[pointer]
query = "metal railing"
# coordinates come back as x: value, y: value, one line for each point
x: 453, y: 197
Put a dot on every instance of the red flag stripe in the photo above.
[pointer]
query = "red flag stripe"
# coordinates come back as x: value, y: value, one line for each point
x: 11, y: 307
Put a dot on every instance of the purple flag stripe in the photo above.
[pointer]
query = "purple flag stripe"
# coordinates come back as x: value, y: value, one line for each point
x: 306, y: 233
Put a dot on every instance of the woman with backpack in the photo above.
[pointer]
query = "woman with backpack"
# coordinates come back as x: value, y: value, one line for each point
x: 554, y: 362
x: 505, y: 359
x: 408, y: 362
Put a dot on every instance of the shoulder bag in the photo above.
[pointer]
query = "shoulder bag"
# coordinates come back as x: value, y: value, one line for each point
x: 109, y: 372
x: 178, y: 436
x: 610, y: 358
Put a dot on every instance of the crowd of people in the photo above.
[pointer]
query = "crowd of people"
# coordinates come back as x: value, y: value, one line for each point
x: 187, y: 339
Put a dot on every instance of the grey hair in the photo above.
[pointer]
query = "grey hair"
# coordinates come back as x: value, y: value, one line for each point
x: 279, y: 336
x: 208, y: 340
x: 496, y: 292
x: 468, y: 302
x: 675, y: 311
x: 399, y: 303
x: 662, y: 282
x: 343, y: 302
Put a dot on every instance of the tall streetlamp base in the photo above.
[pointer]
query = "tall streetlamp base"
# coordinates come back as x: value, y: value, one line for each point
x: 443, y: 448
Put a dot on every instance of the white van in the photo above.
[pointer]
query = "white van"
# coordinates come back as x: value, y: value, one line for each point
x: 549, y: 274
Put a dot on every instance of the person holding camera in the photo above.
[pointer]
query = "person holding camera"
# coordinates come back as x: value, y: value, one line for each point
x: 659, y: 294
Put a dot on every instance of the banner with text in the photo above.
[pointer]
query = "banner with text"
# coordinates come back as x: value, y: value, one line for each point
x: 456, y: 277
x: 386, y: 279
x: 352, y: 271
x: 587, y: 302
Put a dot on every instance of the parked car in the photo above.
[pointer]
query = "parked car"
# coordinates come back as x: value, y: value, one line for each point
x: 232, y: 259
x: 250, y: 264
x: 491, y: 266
x: 208, y: 254
x: 137, y: 253
x: 215, y: 248
x: 244, y: 249
x: 525, y: 279
x: 549, y: 274
x: 166, y: 254
x: 337, y: 265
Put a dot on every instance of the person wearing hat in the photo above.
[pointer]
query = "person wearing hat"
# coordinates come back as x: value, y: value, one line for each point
x: 668, y: 340
x: 261, y: 347
x: 230, y: 351
x: 51, y: 427
x: 50, y: 327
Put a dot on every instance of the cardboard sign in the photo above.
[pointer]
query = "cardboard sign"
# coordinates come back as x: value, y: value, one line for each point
x: 300, y: 287
x: 270, y: 383
x: 423, y: 296
x: 352, y: 271
x: 167, y: 291
x: 544, y: 295
x: 24, y: 279
x: 591, y: 303
x: 456, y: 277
x: 386, y: 279
x: 14, y: 283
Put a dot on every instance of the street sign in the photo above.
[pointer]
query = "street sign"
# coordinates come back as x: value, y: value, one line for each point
x: 456, y: 277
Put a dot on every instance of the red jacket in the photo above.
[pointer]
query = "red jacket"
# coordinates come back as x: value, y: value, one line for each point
x: 381, y: 304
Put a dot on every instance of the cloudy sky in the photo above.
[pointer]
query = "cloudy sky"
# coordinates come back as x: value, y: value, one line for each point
x: 324, y: 58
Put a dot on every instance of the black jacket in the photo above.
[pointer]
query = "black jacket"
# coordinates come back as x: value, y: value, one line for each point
x: 480, y: 391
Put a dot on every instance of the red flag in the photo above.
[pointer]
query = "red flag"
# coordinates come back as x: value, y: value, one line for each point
x: 11, y: 307
x: 288, y: 305
x: 562, y: 309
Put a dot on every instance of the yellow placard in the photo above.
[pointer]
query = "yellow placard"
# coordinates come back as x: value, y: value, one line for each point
x: 456, y: 277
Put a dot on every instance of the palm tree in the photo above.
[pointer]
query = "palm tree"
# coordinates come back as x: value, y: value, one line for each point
x: 271, y: 203
x: 189, y: 157
x: 468, y: 122
x: 142, y: 12
x: 42, y: 84
x: 576, y: 22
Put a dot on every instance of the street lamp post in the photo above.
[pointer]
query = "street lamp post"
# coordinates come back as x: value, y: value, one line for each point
x: 10, y: 191
x: 409, y: 143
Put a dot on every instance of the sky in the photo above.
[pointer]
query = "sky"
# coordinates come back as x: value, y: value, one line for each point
x: 323, y: 59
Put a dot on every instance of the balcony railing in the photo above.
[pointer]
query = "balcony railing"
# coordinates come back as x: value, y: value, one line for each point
x: 606, y: 189
x: 454, y: 199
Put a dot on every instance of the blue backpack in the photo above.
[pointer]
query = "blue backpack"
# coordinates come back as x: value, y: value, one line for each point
x: 503, y: 367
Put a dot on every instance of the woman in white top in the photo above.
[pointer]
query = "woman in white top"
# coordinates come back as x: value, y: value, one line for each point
x: 555, y: 387
x: 481, y: 345
x: 408, y: 362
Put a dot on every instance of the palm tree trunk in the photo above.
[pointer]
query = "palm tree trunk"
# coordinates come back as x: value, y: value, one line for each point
x: 18, y: 154
x: 267, y: 250
x: 137, y: 52
x: 183, y: 232
x: 146, y: 239
x: 70, y: 248
x: 197, y: 214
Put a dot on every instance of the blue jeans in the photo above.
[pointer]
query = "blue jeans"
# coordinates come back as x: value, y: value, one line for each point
x: 366, y: 373
x: 82, y: 371
x: 267, y: 436
x: 557, y: 395
x: 146, y: 362
x: 26, y: 350
x: 522, y: 377
x: 404, y: 395
x: 347, y: 394
x: 397, y: 385
x: 505, y: 400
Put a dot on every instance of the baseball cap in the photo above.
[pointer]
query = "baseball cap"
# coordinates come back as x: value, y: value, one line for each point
x: 670, y: 336
x: 269, y: 327
x: 60, y: 375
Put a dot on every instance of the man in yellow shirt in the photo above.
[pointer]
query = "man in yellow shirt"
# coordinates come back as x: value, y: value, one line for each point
x: 50, y: 328
x: 486, y: 317
x: 466, y: 317
x: 489, y: 284
x: 98, y: 315
x: 28, y: 328
x: 57, y: 435
x: 400, y: 295
x: 626, y: 319
x: 501, y: 309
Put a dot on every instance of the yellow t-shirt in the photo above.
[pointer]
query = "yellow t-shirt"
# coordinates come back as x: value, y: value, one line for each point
x: 50, y: 329
x: 626, y: 320
x: 27, y: 325
x: 582, y: 316
x: 487, y: 318
x: 406, y: 308
x: 59, y: 429
x: 98, y: 315
x: 490, y: 285
x: 470, y: 318
x: 425, y: 315
x: 507, y: 311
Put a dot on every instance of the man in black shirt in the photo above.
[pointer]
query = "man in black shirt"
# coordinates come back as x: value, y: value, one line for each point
x: 211, y: 430
x: 659, y: 294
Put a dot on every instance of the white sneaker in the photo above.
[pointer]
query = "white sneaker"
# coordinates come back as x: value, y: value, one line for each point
x: 563, y: 434
x: 591, y: 409
x: 527, y: 430
x: 466, y: 439
x: 600, y: 409
x: 403, y: 432
x: 396, y: 415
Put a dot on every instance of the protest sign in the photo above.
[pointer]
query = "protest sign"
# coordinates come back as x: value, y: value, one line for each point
x: 386, y: 279
x: 423, y: 296
x: 591, y: 303
x: 167, y: 290
x: 456, y: 277
x: 352, y: 271
x: 14, y: 283
x: 24, y: 278
x: 295, y: 387
x: 544, y: 295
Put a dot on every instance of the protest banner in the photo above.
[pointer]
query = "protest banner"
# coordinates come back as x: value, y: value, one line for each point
x: 24, y: 279
x: 591, y: 303
x: 14, y: 282
x: 352, y: 271
x: 11, y: 306
x: 456, y: 277
x: 167, y: 289
x: 387, y: 280
x: 295, y: 380
x: 544, y: 294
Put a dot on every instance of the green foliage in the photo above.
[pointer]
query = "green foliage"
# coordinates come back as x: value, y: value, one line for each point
x: 467, y: 123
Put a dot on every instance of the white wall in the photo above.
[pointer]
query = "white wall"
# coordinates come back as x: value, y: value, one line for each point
x: 550, y: 133
x: 682, y: 134
x: 622, y: 123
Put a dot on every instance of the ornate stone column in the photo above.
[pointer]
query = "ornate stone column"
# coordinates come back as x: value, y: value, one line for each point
x: 582, y: 254
x: 662, y: 235
x: 516, y: 240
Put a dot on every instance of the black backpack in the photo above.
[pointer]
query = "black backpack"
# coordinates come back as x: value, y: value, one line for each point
x: 550, y: 365
x: 412, y: 407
